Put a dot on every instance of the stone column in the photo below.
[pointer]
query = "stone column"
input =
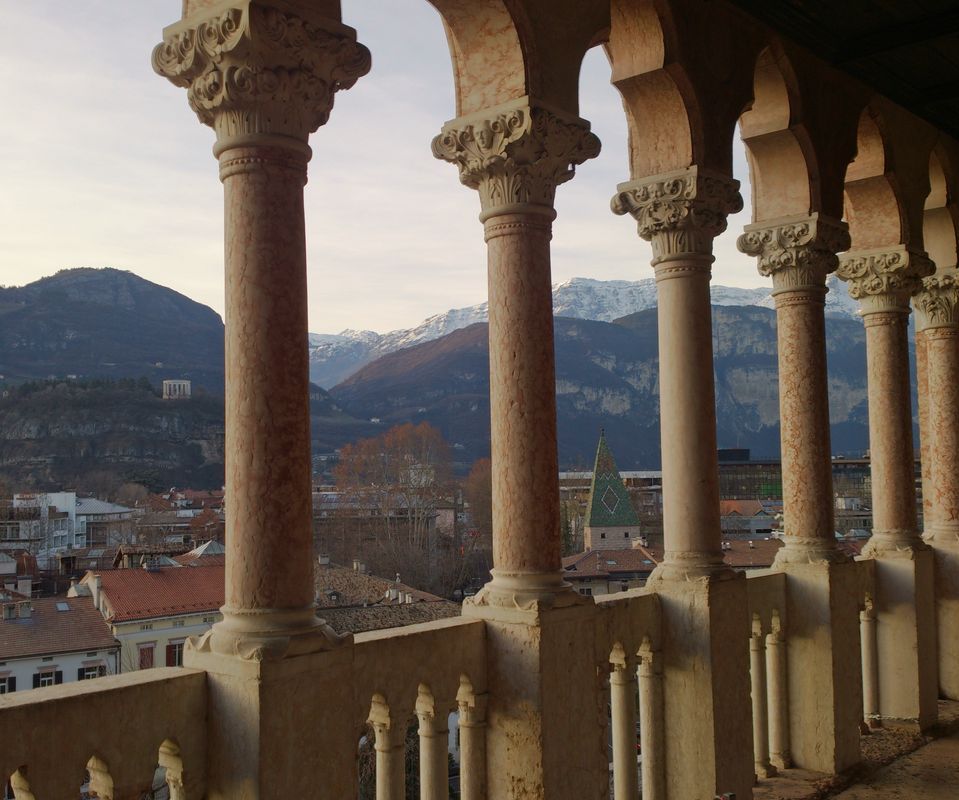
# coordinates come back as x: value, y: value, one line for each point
x: 937, y: 318
x: 681, y: 213
x: 622, y: 703
x: 870, y: 666
x: 472, y: 728
x: 262, y: 74
x: 777, y: 696
x: 925, y: 454
x: 798, y: 253
x: 883, y: 281
x: 651, y: 723
x: 824, y: 705
x: 757, y: 675
x: 434, y: 745
x: 264, y: 79
x: 515, y: 155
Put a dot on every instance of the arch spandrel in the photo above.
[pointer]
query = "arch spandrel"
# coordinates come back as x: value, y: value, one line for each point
x: 506, y: 49
x: 798, y: 138
x: 888, y: 181
x: 684, y: 77
x: 941, y: 214
x: 488, y: 64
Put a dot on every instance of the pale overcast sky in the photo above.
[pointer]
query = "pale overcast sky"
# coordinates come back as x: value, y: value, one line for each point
x: 103, y: 164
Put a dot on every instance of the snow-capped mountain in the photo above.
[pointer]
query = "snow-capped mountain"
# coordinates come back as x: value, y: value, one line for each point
x: 334, y: 357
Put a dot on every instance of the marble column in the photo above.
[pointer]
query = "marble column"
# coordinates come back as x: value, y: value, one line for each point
x: 264, y: 79
x: 434, y: 742
x: 798, y: 253
x: 822, y: 609
x: 680, y: 214
x: 937, y: 318
x: 262, y: 74
x: 883, y: 280
x: 472, y: 732
x: 515, y: 155
x: 703, y: 601
x: 622, y: 703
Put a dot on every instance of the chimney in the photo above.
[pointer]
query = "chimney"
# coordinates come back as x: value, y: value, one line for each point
x: 25, y: 586
x: 357, y: 565
x: 408, y: 597
x: 324, y: 560
x: 752, y: 545
x: 95, y: 591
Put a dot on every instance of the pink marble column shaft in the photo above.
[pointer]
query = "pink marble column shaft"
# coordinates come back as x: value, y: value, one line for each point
x: 804, y: 417
x: 890, y: 429
x: 688, y: 414
x: 523, y: 395
x: 268, y: 539
x: 942, y: 346
x: 925, y: 454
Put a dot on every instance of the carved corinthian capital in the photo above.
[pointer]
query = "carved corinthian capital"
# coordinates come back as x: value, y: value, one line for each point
x: 937, y: 303
x: 252, y: 68
x: 884, y: 279
x: 798, y: 253
x: 680, y: 213
x: 516, y: 154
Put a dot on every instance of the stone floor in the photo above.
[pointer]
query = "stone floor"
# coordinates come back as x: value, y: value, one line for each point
x: 898, y: 764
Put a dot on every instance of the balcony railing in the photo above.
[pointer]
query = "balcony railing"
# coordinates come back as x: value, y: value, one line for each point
x: 112, y: 734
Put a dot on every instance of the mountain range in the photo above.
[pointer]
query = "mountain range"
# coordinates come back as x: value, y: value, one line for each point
x: 334, y: 357
x: 89, y: 324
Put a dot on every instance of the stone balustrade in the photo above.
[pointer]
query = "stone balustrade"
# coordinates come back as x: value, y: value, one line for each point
x: 113, y: 733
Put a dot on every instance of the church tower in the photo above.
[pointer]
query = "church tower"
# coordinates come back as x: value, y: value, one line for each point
x: 611, y: 521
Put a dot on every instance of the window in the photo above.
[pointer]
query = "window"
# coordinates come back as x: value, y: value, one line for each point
x: 147, y: 626
x: 174, y: 654
x: 49, y: 678
x: 625, y: 534
x: 178, y: 623
x: 209, y: 620
x: 587, y: 590
x: 8, y: 685
x: 91, y: 671
x: 602, y: 536
x: 146, y: 656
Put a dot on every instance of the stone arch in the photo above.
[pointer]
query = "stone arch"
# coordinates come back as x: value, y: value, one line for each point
x: 873, y: 208
x: 941, y: 214
x: 488, y: 63
x: 782, y: 162
x: 661, y: 108
x: 503, y: 50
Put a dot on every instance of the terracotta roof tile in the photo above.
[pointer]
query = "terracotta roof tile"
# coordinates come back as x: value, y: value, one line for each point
x: 48, y: 630
x: 373, y: 618
x: 356, y: 588
x: 131, y: 594
x: 603, y: 563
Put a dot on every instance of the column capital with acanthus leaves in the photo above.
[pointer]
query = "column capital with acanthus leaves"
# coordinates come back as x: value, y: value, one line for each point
x: 256, y: 69
x: 516, y: 154
x: 680, y: 212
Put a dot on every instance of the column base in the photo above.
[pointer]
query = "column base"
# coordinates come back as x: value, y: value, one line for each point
x: 706, y: 687
x: 686, y: 567
x: 905, y: 607
x: 274, y: 727
x: 269, y: 634
x: 797, y: 551
x: 521, y: 596
x: 824, y: 664
x: 546, y: 724
x: 946, y: 554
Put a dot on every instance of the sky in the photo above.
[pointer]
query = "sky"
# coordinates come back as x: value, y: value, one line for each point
x: 103, y: 164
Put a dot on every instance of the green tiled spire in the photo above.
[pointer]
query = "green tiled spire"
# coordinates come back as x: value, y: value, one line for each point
x: 609, y: 504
